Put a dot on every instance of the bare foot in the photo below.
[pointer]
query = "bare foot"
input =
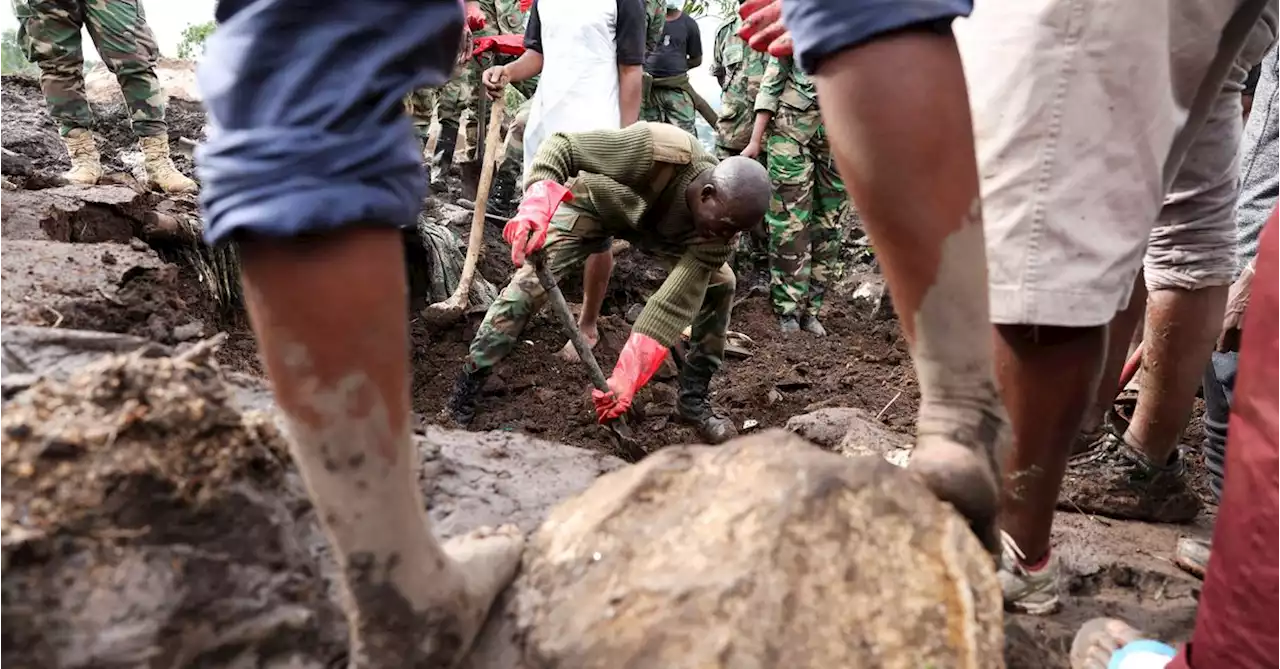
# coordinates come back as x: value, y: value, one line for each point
x: 1098, y: 640
x: 389, y: 631
x: 965, y: 477
x: 570, y: 354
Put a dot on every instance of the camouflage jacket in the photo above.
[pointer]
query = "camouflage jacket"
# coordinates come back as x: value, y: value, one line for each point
x: 657, y: 11
x: 501, y: 17
x: 789, y: 94
x: 739, y: 69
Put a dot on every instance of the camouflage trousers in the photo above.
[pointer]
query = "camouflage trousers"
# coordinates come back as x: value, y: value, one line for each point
x: 49, y: 34
x: 420, y: 105
x: 670, y: 105
x: 809, y: 205
x: 573, y: 237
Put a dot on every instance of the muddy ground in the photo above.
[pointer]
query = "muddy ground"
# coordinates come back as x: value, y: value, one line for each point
x: 91, y: 260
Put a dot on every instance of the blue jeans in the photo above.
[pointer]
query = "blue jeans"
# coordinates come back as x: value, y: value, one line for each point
x: 307, y: 130
x: 1219, y: 382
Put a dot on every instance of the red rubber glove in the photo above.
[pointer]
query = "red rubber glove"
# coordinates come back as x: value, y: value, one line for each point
x: 525, y: 5
x: 762, y: 27
x: 534, y: 217
x: 638, y: 362
x: 475, y: 17
x: 508, y: 45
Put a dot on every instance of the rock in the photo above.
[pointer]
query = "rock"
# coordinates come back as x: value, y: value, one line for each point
x: 633, y: 312
x: 872, y: 299
x: 86, y: 214
x: 189, y: 331
x: 15, y: 164
x: 852, y: 433
x: 762, y: 552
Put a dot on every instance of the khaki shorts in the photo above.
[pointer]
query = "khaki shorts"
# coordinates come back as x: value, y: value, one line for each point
x: 1084, y: 111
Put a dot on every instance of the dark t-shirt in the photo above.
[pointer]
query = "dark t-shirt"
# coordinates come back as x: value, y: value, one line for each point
x: 628, y: 34
x: 681, y: 41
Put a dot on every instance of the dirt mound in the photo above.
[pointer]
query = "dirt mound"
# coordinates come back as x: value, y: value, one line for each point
x: 123, y: 288
x: 177, y: 78
x: 149, y: 518
x: 680, y: 561
x: 862, y: 363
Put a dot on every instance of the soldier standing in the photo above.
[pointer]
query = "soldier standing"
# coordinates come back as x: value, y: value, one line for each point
x: 809, y: 200
x: 49, y: 32
x: 739, y: 70
x: 668, y: 65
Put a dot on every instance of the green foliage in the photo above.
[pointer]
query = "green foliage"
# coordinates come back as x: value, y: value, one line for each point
x: 700, y: 8
x: 12, y: 60
x: 193, y: 39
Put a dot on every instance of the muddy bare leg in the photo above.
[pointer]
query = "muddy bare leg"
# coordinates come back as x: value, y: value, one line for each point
x: 1182, y: 326
x: 905, y: 151
x: 595, y: 283
x: 1047, y: 377
x: 329, y: 313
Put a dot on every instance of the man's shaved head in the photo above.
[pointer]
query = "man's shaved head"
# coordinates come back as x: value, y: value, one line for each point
x: 730, y: 197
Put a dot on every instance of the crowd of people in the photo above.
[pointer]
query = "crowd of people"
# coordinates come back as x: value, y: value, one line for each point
x: 1037, y: 180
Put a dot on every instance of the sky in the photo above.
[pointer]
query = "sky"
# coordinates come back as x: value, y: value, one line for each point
x: 169, y: 17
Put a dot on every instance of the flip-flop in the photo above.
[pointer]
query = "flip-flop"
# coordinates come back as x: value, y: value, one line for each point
x: 1108, y: 643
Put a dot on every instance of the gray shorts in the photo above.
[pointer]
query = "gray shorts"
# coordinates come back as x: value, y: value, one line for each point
x: 1087, y: 113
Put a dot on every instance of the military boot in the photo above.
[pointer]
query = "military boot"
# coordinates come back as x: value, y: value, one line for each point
x: 810, y: 323
x: 471, y: 179
x: 86, y: 164
x: 502, y: 192
x: 694, y: 407
x: 442, y: 159
x: 461, y: 407
x: 160, y: 168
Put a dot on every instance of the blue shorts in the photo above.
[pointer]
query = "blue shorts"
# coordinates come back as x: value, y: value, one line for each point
x: 307, y: 131
x: 821, y: 28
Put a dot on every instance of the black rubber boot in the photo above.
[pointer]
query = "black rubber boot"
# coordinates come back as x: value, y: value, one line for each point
x: 461, y: 407
x: 810, y: 324
x: 442, y: 159
x: 471, y: 179
x: 694, y: 406
x: 503, y: 191
x: 788, y: 324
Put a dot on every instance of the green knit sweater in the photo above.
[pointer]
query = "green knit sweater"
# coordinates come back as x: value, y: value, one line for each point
x: 616, y: 180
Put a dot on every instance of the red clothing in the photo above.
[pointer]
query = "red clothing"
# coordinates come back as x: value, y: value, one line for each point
x: 1236, y: 622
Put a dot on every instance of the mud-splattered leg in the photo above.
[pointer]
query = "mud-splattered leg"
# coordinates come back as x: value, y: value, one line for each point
x: 329, y: 313
x: 905, y: 151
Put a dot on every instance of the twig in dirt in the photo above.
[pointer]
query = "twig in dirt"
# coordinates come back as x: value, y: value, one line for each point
x: 754, y: 290
x: 886, y: 407
x: 56, y: 322
x: 103, y: 291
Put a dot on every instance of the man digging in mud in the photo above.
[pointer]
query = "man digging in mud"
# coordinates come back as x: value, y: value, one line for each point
x: 312, y: 167
x: 654, y: 185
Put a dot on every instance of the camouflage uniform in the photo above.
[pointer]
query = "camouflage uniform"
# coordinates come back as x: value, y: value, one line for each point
x: 49, y: 33
x: 657, y: 11
x: 502, y: 17
x: 809, y: 202
x: 739, y: 69
x: 573, y: 237
x: 669, y: 104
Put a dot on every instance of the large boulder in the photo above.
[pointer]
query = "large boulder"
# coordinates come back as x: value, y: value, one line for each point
x: 852, y: 432
x: 763, y: 552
